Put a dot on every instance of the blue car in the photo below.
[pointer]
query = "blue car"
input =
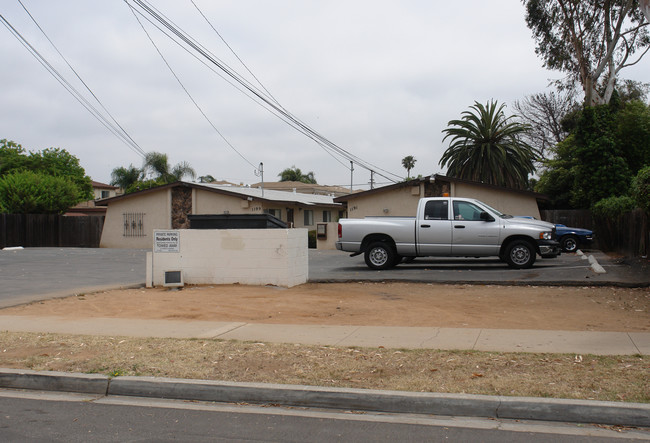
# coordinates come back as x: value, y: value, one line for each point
x: 571, y: 238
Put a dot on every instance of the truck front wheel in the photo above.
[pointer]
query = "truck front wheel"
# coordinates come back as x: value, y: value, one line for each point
x: 520, y: 254
x: 380, y: 255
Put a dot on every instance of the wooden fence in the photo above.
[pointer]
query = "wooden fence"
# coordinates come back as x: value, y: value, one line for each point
x: 629, y: 235
x: 40, y: 230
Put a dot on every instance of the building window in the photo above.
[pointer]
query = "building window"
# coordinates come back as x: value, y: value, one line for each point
x: 309, y: 217
x: 277, y: 213
x: 133, y: 224
x: 327, y: 216
x: 106, y: 194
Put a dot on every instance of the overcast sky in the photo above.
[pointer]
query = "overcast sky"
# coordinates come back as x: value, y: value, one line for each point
x: 379, y: 78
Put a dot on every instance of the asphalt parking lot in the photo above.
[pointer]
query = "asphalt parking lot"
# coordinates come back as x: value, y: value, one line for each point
x: 32, y: 274
x: 39, y: 273
x: 567, y: 269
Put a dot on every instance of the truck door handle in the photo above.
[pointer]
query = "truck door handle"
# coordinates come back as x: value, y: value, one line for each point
x: 425, y: 226
x: 459, y: 226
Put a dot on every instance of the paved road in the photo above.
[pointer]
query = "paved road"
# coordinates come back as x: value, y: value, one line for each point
x: 38, y: 273
x: 34, y: 416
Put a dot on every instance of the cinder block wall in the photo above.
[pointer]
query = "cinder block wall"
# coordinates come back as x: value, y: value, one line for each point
x: 246, y: 256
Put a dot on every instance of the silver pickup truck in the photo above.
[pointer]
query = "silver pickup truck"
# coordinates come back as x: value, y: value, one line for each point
x: 448, y: 227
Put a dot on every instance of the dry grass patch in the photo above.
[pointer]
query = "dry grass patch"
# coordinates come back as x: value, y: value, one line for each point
x: 617, y: 378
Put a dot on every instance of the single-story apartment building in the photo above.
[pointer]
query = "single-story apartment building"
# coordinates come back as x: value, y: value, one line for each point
x: 131, y: 218
x: 401, y: 199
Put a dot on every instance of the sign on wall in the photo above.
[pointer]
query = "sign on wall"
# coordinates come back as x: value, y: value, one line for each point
x: 166, y: 241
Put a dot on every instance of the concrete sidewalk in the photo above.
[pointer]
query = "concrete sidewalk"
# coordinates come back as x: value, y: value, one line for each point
x: 498, y: 340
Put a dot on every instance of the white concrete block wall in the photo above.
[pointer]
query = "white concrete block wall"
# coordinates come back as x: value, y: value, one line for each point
x: 246, y: 256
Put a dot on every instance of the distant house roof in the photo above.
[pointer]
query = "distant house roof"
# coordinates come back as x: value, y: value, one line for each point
x: 254, y: 193
x: 433, y: 178
x: 100, y: 185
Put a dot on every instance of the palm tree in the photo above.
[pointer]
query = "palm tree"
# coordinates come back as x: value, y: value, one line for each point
x: 125, y: 177
x: 207, y: 179
x: 158, y: 164
x: 409, y: 163
x: 294, y: 174
x: 486, y: 147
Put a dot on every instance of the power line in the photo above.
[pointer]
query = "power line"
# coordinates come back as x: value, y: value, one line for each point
x: 257, y: 79
x: 269, y: 102
x: 187, y: 92
x: 234, y: 53
x: 258, y: 97
x: 255, y: 98
x: 68, y: 87
x: 132, y: 142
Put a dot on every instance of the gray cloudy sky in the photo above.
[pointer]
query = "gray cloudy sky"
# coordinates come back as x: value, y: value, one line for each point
x: 379, y: 78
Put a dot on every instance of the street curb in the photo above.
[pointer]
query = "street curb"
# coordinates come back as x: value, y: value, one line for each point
x: 54, y: 381
x: 524, y: 408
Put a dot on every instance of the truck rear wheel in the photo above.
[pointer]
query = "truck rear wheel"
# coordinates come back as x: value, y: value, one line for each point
x: 520, y: 254
x: 380, y: 255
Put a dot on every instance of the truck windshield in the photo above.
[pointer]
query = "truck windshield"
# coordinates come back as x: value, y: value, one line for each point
x: 499, y: 213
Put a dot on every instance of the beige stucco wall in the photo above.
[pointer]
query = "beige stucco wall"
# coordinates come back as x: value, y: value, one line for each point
x: 156, y: 207
x: 206, y: 202
x: 317, y: 212
x: 507, y: 202
x: 329, y: 243
x: 404, y: 201
x: 400, y: 202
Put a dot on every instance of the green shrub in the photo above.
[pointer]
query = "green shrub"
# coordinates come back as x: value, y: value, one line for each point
x: 612, y: 208
x: 311, y: 239
x: 28, y: 192
x: 641, y: 189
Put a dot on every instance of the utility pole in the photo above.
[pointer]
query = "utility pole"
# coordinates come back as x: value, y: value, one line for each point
x: 372, y: 179
x: 351, y: 177
x: 262, y: 175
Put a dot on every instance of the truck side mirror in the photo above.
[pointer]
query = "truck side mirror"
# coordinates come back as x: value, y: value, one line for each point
x: 486, y: 217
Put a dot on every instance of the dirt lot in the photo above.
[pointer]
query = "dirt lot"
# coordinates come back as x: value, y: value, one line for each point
x: 617, y: 378
x: 391, y: 304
